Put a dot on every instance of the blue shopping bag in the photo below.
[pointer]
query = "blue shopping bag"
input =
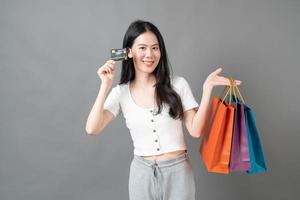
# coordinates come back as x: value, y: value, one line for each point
x: 257, y: 161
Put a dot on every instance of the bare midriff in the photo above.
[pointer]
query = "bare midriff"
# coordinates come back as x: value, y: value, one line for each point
x: 165, y: 156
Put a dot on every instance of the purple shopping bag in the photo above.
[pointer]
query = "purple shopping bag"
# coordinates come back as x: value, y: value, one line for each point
x: 239, y: 157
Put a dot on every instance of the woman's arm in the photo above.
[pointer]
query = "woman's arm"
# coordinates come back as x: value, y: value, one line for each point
x: 98, y: 117
x: 195, y: 121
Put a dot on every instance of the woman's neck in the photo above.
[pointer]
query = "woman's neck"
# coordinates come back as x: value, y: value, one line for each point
x: 144, y: 81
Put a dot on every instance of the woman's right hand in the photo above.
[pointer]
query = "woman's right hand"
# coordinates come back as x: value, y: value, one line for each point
x: 107, y: 72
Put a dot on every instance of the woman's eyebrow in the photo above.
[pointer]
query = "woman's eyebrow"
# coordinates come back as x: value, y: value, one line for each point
x: 147, y: 45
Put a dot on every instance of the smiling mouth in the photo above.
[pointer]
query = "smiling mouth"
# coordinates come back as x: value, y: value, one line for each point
x: 148, y: 62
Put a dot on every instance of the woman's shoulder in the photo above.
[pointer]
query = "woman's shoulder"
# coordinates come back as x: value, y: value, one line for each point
x: 178, y: 81
x: 120, y: 88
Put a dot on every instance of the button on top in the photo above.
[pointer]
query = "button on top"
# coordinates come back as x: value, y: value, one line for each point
x: 152, y: 120
x: 156, y: 140
x: 154, y: 130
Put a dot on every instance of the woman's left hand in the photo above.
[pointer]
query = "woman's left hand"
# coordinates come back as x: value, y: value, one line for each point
x: 214, y: 79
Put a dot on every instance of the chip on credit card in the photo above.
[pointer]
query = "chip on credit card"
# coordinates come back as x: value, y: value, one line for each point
x: 118, y: 54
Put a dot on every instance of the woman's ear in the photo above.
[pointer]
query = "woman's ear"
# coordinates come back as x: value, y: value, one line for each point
x: 129, y: 53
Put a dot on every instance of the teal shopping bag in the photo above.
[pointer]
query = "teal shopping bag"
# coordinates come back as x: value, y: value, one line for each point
x: 257, y: 161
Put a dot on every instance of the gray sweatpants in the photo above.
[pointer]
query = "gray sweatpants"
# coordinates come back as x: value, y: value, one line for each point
x: 161, y: 180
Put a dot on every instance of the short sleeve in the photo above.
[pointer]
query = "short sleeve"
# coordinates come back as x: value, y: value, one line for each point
x: 112, y: 101
x: 186, y: 95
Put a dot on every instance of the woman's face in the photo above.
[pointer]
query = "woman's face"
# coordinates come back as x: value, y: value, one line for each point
x: 145, y: 52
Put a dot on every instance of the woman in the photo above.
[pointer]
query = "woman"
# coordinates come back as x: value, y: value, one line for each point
x: 154, y: 105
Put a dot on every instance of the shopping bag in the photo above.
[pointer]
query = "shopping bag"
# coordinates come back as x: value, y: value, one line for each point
x: 257, y: 161
x: 239, y: 156
x: 216, y: 144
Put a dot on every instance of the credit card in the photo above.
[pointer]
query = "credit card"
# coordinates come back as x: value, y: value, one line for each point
x: 118, y: 54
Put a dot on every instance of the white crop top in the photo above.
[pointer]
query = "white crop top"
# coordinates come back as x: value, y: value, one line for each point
x: 151, y: 134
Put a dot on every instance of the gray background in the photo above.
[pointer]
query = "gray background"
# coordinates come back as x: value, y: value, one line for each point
x: 49, y: 56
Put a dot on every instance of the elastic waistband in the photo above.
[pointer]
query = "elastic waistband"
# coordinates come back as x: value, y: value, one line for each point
x: 162, y: 163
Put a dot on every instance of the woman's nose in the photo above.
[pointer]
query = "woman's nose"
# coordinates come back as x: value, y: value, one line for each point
x: 149, y: 53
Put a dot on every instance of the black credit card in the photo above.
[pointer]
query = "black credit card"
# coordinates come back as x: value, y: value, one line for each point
x: 118, y: 54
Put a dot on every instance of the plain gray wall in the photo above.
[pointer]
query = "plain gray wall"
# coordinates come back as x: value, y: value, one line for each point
x: 51, y: 51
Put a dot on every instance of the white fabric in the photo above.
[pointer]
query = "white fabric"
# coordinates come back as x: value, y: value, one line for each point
x: 163, y: 134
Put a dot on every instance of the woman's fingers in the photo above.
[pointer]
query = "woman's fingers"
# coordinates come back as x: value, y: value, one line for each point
x: 237, y: 82
x: 112, y: 61
x: 216, y: 72
x: 221, y: 83
x: 227, y: 80
x: 214, y: 79
x: 224, y: 81
x: 110, y: 66
x: 107, y: 68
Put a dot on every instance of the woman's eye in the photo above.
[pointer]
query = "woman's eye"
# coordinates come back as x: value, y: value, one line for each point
x: 155, y: 48
x: 142, y: 48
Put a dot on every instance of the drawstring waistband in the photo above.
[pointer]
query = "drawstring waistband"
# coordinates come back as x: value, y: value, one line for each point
x: 162, y: 163
x: 156, y: 166
x: 157, y: 181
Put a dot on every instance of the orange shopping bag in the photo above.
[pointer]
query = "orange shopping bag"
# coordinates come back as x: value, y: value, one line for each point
x: 216, y: 144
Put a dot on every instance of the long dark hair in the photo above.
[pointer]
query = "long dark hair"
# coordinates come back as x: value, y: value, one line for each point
x: 164, y: 92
